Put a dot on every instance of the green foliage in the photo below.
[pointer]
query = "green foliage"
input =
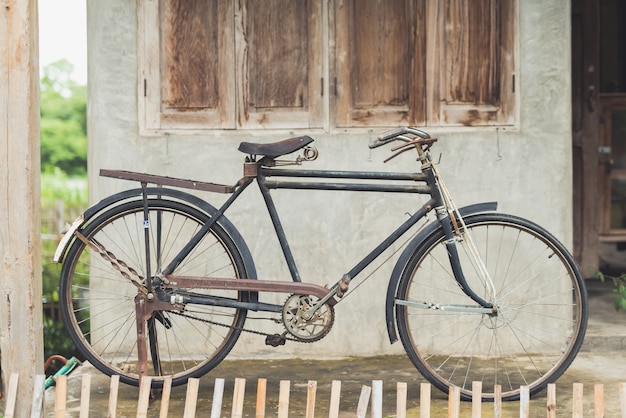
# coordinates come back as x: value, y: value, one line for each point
x: 63, y: 108
x: 619, y: 289
x: 72, y: 192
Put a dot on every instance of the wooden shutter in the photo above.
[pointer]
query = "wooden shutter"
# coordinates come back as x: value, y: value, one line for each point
x: 279, y: 64
x: 471, y: 62
x: 188, y: 70
x: 380, y: 62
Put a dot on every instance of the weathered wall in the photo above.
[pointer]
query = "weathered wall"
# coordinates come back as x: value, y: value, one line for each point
x: 527, y: 169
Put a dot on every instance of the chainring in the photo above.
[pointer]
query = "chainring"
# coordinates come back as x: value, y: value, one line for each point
x: 296, y: 312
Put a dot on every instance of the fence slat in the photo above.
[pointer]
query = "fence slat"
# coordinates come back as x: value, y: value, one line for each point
x: 218, y: 396
x: 477, y: 394
x: 454, y: 402
x: 377, y: 399
x: 598, y: 400
x: 425, y: 400
x: 364, y: 401
x: 310, y: 399
x: 238, y: 396
x: 622, y: 398
x: 38, y: 395
x: 61, y: 396
x: 85, y: 395
x: 577, y: 401
x: 551, y: 400
x: 144, y: 397
x: 335, y: 396
x: 11, y: 395
x: 261, y: 394
x: 497, y: 401
x: 401, y: 397
x: 113, y: 390
x: 165, y: 397
x: 283, y: 399
x: 524, y: 402
x: 191, y: 401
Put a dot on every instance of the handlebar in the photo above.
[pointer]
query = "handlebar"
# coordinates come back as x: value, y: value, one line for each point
x: 405, y: 134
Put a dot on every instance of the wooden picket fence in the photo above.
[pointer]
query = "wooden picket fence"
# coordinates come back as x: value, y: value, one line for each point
x: 370, y: 400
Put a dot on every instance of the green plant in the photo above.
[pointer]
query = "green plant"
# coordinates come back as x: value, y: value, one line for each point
x: 63, y: 198
x: 619, y: 289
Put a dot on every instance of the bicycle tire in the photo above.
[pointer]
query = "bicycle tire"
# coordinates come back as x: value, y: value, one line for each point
x: 97, y: 302
x: 542, y: 310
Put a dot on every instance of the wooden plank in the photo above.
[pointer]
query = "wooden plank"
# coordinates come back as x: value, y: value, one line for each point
x: 283, y: 399
x: 85, y: 394
x: 577, y: 401
x: 551, y: 400
x: 238, y: 395
x: 60, y: 404
x: 11, y: 401
x: 113, y: 392
x: 524, y: 402
x: 377, y: 399
x: 477, y: 393
x: 622, y: 398
x: 165, y: 397
x: 261, y: 392
x: 425, y: 400
x: 144, y: 397
x: 598, y: 400
x: 364, y: 400
x: 38, y: 396
x: 335, y: 396
x: 218, y: 396
x: 454, y: 402
x: 21, y: 313
x: 310, y: 399
x: 497, y: 401
x: 401, y: 396
x: 191, y: 400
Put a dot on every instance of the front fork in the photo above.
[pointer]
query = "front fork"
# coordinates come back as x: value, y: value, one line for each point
x: 453, y: 236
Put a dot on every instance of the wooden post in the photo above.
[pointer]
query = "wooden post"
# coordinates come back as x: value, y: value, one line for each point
x: 21, y: 318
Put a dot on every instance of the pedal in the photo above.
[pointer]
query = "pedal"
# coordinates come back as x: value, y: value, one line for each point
x: 275, y: 340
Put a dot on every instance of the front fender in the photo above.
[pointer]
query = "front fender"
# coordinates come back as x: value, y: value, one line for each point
x: 190, y: 199
x: 406, y: 255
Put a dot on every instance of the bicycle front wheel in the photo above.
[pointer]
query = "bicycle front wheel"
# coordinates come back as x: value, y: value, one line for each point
x: 531, y: 338
x: 105, y: 270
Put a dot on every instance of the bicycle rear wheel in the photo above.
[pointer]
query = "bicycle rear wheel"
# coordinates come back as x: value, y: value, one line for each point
x: 100, y: 280
x: 541, y: 310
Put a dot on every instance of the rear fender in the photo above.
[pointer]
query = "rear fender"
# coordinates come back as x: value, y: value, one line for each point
x: 411, y: 247
x: 190, y: 199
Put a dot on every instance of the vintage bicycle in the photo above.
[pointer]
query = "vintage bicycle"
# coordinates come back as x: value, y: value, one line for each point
x: 158, y: 282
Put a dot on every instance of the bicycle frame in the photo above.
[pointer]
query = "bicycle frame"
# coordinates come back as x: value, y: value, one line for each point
x: 262, y: 175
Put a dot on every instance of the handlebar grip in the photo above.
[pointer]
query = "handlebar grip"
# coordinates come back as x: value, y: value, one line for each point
x: 387, y: 135
x: 398, y: 133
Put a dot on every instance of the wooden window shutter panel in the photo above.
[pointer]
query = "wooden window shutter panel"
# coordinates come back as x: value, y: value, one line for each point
x: 187, y: 64
x: 379, y: 65
x: 471, y: 62
x: 279, y: 64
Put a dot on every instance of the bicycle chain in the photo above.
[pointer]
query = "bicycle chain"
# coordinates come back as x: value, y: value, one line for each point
x: 242, y: 329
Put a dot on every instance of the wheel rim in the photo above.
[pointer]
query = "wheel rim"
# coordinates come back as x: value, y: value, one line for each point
x: 99, y: 302
x: 535, y: 334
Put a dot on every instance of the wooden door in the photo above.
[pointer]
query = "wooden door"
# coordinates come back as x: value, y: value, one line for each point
x: 585, y: 118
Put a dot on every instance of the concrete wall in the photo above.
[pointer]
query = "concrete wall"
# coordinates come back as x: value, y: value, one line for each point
x: 526, y: 169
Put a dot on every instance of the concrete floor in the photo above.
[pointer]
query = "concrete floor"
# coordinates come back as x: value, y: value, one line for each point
x: 599, y: 362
